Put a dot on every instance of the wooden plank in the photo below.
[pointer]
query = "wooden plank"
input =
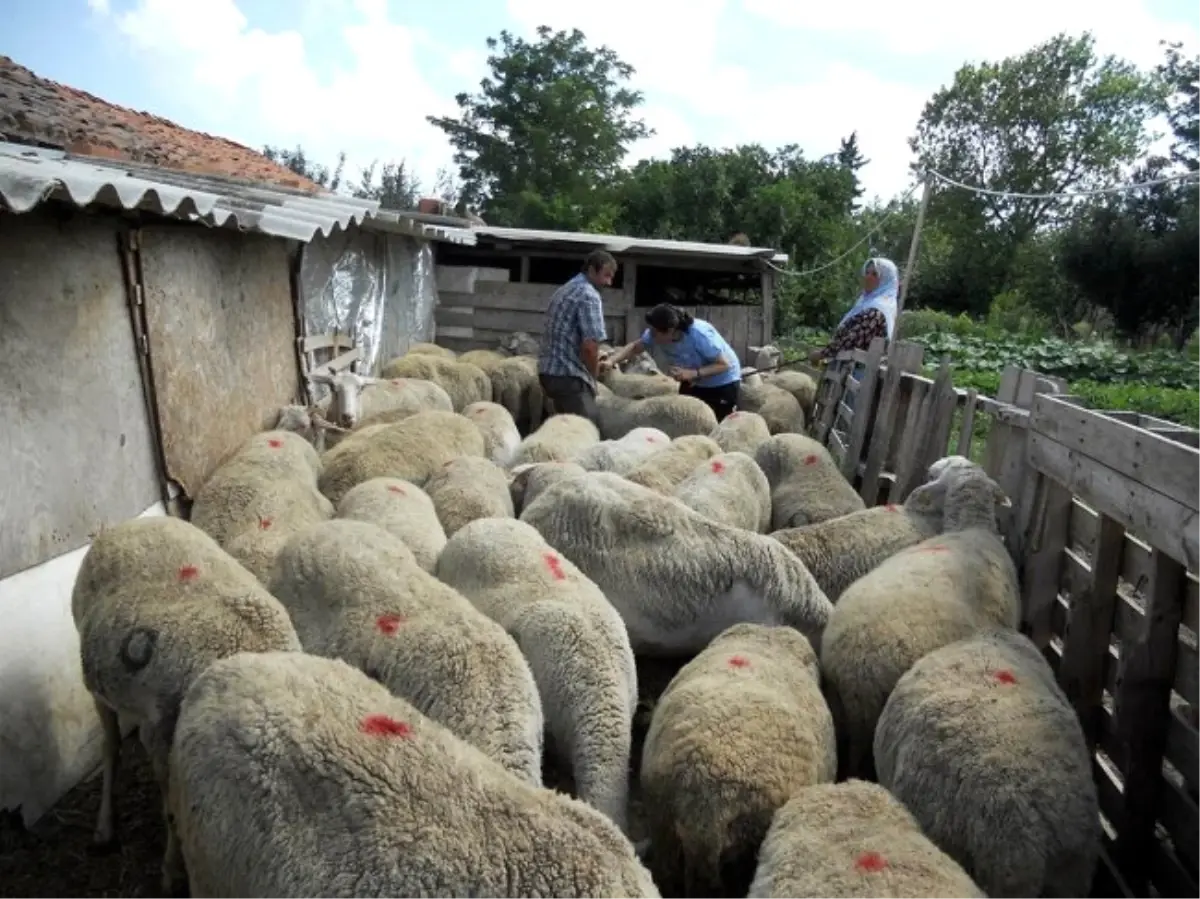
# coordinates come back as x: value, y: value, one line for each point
x: 327, y: 341
x: 522, y: 297
x: 967, y: 424
x: 903, y: 356
x: 1042, y: 563
x: 1086, y: 637
x: 768, y: 308
x: 1143, y: 456
x: 340, y: 363
x: 1183, y: 747
x: 864, y: 405
x: 911, y: 438
x: 835, y: 382
x: 1129, y: 621
x: 1142, y: 711
x: 453, y: 315
x: 1180, y: 818
x: 1168, y: 875
x: 1163, y: 521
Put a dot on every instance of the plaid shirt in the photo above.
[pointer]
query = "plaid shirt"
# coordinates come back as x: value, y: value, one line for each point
x: 575, y: 314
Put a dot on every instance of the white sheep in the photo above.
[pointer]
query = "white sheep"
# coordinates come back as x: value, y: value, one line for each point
x: 430, y: 349
x: 356, y: 592
x: 739, y: 729
x: 675, y: 415
x: 798, y: 384
x: 465, y: 383
x: 359, y: 401
x: 806, y: 485
x: 468, y: 488
x: 625, y: 454
x: 730, y: 489
x: 665, y: 470
x: 516, y: 387
x: 575, y: 643
x: 402, y: 509
x: 639, y: 386
x: 853, y: 839
x: 982, y: 745
x: 294, y: 775
x: 741, y: 432
x: 559, y: 439
x: 155, y: 601
x: 779, y: 409
x: 942, y: 589
x: 500, y: 435
x: 527, y: 481
x: 677, y: 578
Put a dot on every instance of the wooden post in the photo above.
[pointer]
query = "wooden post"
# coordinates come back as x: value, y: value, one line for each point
x: 902, y: 357
x: 864, y: 407
x: 910, y: 267
x: 768, y: 306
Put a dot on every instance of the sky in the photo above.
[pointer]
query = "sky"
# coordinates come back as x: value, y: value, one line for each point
x: 362, y: 75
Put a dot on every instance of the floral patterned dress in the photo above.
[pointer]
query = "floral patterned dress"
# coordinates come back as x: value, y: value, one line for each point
x: 856, y: 334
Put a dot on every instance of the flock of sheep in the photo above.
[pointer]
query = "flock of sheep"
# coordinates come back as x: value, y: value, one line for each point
x: 347, y: 667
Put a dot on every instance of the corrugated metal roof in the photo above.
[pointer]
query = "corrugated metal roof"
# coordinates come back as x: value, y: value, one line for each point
x: 395, y: 222
x: 615, y: 243
x: 31, y: 175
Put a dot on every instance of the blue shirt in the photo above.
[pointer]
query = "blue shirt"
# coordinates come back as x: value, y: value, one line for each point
x: 575, y: 314
x: 699, y: 345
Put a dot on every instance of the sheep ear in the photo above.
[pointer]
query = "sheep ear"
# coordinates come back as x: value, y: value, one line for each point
x: 1001, y: 497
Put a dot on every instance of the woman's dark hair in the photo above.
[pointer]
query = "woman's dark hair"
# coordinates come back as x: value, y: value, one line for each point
x: 665, y: 317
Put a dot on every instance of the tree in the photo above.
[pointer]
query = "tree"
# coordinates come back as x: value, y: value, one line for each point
x: 397, y: 188
x: 1181, y: 78
x: 850, y: 157
x: 542, y: 142
x: 298, y: 161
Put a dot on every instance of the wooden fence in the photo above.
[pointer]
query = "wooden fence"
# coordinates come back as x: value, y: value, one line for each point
x: 1104, y: 531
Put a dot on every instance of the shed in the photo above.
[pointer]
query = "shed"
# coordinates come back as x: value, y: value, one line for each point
x: 159, y: 293
x: 504, y: 282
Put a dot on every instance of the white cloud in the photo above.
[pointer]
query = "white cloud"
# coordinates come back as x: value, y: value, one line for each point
x: 258, y: 87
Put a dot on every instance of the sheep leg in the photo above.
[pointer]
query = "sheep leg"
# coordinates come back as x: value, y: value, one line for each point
x: 156, y: 738
x: 111, y: 726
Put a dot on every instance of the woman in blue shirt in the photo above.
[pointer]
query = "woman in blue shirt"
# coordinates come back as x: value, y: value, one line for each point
x: 692, y: 352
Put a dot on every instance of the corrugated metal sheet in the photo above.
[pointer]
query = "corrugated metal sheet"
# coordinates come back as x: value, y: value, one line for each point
x: 618, y: 244
x: 30, y: 176
x: 393, y: 222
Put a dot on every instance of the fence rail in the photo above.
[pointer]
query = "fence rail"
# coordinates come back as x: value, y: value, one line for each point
x: 1105, y: 532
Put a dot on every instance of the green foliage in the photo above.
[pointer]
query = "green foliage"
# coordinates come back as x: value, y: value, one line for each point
x: 397, y: 187
x: 543, y: 140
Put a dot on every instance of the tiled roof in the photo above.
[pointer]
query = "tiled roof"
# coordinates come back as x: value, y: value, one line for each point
x: 37, y: 110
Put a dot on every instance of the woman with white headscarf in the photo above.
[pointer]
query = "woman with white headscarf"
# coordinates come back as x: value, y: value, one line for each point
x: 872, y: 315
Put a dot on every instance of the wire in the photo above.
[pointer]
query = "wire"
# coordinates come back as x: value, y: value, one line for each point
x: 1099, y: 191
x: 836, y: 260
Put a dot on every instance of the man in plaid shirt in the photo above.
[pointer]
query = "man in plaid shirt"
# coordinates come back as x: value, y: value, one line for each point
x: 570, y: 352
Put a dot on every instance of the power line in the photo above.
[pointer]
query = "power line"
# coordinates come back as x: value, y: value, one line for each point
x: 1099, y: 191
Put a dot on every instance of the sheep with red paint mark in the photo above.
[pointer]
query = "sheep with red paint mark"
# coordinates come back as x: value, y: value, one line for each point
x: 527, y: 481
x: 500, y: 435
x: 778, y: 408
x: 261, y: 495
x: 575, y: 643
x: 736, y: 733
x: 675, y: 415
x: 666, y: 469
x: 806, y: 484
x: 402, y: 509
x: 624, y: 454
x: 559, y: 439
x: 412, y: 449
x: 979, y: 741
x: 677, y: 578
x: 516, y: 387
x: 355, y: 792
x: 853, y: 839
x: 729, y: 489
x: 356, y: 592
x: 468, y: 488
x: 358, y: 401
x: 838, y: 551
x: 942, y: 589
x: 741, y: 432
x: 155, y: 601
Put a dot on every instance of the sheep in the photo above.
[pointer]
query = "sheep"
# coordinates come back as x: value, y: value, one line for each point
x: 155, y: 601
x: 940, y: 590
x: 798, y: 384
x: 730, y: 489
x: 765, y: 357
x: 485, y: 359
x: 356, y: 592
x: 741, y: 432
x: 982, y: 745
x: 411, y: 449
x: 738, y: 730
x: 838, y: 551
x: 500, y: 435
x: 430, y: 349
x: 299, y: 776
x: 530, y: 480
x: 625, y: 454
x: 359, y: 401
x: 675, y: 415
x: 516, y: 387
x: 666, y: 469
x: 853, y: 839
x: 402, y: 509
x: 806, y: 485
x: 520, y: 343
x: 638, y: 386
x: 575, y: 643
x: 265, y: 492
x: 465, y: 383
x: 467, y: 488
x: 780, y: 410
x: 559, y: 439
x: 677, y: 578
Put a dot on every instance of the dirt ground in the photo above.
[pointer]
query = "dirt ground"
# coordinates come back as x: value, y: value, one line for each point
x: 56, y: 857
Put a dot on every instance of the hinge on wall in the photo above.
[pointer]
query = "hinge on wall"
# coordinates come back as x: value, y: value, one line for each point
x: 139, y: 295
x: 144, y: 344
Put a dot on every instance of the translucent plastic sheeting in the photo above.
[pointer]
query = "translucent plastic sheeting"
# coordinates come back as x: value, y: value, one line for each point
x: 377, y: 289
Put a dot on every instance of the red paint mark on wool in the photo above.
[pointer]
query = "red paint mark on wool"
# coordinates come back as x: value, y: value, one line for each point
x: 389, y: 623
x: 1004, y: 676
x: 936, y: 548
x: 383, y: 726
x: 870, y: 862
x: 396, y: 488
x: 810, y: 459
x: 264, y: 524
x: 650, y: 438
x: 739, y: 662
x: 396, y: 382
x: 554, y: 563
x: 274, y: 443
x: 188, y: 572
x: 718, y: 466
x: 891, y: 507
x: 734, y: 415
